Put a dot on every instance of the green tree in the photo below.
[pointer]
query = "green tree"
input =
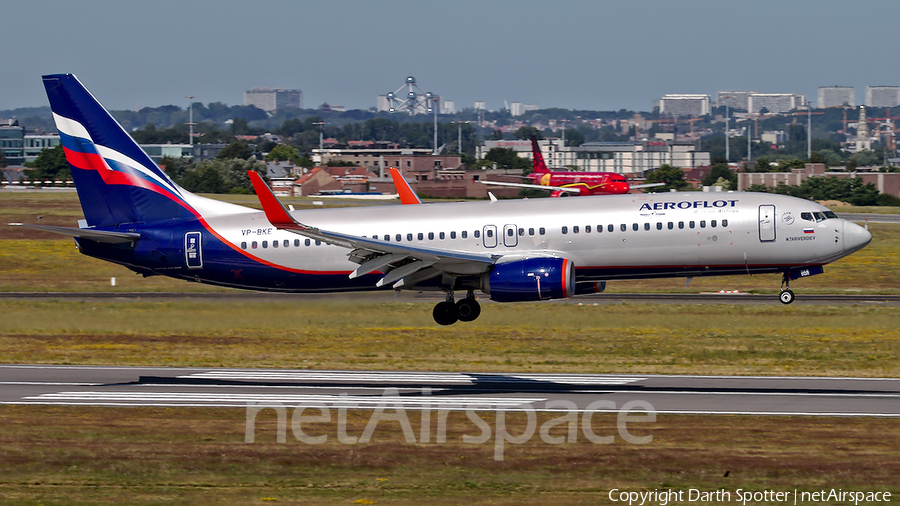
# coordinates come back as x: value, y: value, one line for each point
x: 284, y: 153
x: 50, y: 164
x: 720, y: 171
x: 527, y: 132
x: 574, y: 137
x: 222, y: 176
x: 496, y: 135
x: 237, y: 149
x: 816, y: 157
x: 673, y: 177
x: 507, y: 159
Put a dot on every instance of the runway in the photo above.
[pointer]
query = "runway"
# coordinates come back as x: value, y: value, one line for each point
x: 213, y: 387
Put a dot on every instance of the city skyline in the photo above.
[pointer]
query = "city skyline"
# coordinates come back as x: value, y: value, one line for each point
x: 576, y: 55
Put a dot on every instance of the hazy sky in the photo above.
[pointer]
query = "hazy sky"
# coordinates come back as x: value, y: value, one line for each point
x: 578, y: 54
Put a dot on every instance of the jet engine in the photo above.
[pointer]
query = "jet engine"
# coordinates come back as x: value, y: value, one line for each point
x: 532, y: 279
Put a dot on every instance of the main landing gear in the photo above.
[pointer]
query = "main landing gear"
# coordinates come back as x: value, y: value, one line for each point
x: 786, y: 296
x: 448, y: 312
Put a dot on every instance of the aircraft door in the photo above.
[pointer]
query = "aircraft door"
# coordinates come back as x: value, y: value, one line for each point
x: 193, y: 253
x: 766, y: 223
x: 510, y: 239
x: 489, y: 236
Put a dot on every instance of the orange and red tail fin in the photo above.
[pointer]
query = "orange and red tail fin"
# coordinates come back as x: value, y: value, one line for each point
x: 407, y: 195
x: 537, y: 157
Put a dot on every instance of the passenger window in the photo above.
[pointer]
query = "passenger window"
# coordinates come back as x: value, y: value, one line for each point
x: 724, y: 223
x: 253, y: 245
x: 490, y: 232
x: 610, y: 228
x: 542, y: 231
x: 702, y: 223
x: 430, y: 236
x: 465, y: 234
x: 441, y: 236
x: 296, y: 242
x: 575, y: 229
x: 287, y: 243
x: 265, y: 244
x: 398, y: 237
x: 712, y: 223
x: 623, y: 227
x: 244, y: 245
x: 658, y: 225
x: 671, y: 225
x: 635, y: 226
x: 318, y: 242
x: 680, y: 225
x: 477, y: 234
x: 530, y: 231
x: 521, y: 232
x: 509, y: 232
x: 453, y: 235
x: 409, y: 237
x: 274, y: 244
x: 386, y: 237
x: 646, y: 226
x: 565, y: 230
x: 691, y: 224
x: 307, y: 243
x: 587, y: 229
x: 421, y: 236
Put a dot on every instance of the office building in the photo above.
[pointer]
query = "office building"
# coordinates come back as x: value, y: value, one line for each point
x: 882, y: 96
x: 684, y: 105
x: 836, y: 96
x: 270, y: 99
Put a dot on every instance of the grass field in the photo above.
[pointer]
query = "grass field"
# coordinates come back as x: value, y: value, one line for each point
x: 343, y: 333
x: 70, y: 455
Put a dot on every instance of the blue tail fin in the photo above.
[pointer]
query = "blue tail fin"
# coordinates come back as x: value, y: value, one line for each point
x: 117, y: 181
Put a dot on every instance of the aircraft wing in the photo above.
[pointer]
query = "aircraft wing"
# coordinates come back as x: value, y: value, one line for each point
x: 86, y: 233
x: 404, y: 265
x: 535, y: 186
x: 648, y: 185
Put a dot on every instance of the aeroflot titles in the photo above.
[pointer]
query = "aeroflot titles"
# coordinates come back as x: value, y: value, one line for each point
x: 660, y: 206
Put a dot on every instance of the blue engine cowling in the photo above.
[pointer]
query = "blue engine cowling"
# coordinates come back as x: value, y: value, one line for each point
x: 530, y: 280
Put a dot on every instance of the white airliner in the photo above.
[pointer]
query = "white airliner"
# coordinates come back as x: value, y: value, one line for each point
x: 512, y: 250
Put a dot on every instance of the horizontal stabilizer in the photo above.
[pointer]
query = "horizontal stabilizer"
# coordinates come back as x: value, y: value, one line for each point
x: 648, y: 185
x: 86, y: 233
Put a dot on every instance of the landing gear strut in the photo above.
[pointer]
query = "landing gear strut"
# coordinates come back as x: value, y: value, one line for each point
x: 448, y: 312
x: 786, y: 296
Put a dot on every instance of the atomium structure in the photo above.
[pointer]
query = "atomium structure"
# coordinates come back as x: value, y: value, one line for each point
x: 410, y: 99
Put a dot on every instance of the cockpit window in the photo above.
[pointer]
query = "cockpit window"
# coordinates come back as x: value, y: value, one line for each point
x: 807, y: 216
x: 830, y: 215
x: 819, y: 216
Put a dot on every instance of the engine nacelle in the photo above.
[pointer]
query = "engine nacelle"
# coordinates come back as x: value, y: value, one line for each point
x: 532, y: 279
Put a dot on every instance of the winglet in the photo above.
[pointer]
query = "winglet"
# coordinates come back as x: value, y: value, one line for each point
x: 407, y: 195
x: 274, y: 209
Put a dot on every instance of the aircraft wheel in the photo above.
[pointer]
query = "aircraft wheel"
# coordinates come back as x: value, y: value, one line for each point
x: 468, y: 309
x: 445, y: 313
x: 786, y: 297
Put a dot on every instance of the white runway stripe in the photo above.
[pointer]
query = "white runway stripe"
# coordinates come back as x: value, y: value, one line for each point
x: 354, y: 401
x: 388, y: 377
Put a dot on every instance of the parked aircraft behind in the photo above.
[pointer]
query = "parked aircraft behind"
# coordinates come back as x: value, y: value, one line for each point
x: 564, y: 184
x: 512, y: 250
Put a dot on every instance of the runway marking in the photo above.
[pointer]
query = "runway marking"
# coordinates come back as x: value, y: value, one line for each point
x: 49, y: 383
x: 350, y: 401
x: 473, y: 378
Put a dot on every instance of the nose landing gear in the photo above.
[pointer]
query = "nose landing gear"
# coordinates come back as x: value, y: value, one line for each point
x: 786, y: 296
x: 448, y: 312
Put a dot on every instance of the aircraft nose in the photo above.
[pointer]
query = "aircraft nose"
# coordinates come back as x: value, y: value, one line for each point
x: 855, y: 237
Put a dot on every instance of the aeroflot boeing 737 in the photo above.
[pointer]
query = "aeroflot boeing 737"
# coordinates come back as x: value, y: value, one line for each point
x: 514, y: 250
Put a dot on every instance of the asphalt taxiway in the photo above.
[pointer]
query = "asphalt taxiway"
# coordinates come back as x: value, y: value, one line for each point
x: 676, y: 394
